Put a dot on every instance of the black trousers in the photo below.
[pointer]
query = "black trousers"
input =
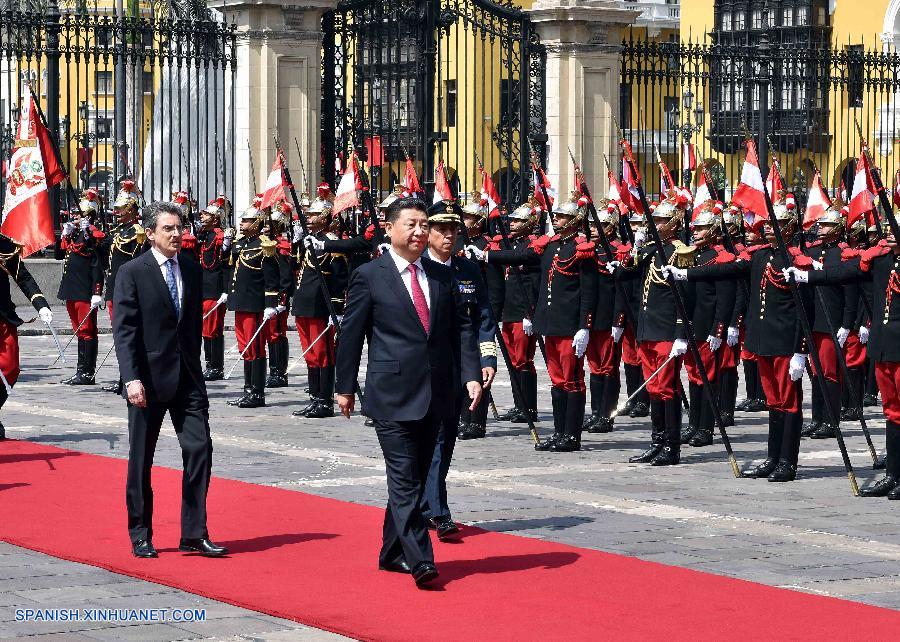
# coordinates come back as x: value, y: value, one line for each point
x: 408, y: 448
x: 189, y: 411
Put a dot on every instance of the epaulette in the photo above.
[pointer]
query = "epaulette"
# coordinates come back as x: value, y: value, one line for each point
x: 284, y: 246
x: 815, y: 243
x: 748, y: 252
x: 97, y: 234
x: 800, y: 259
x: 723, y: 255
x: 849, y: 253
x: 188, y: 241
x: 219, y: 236
x: 268, y: 245
x: 497, y: 238
x: 685, y: 256
x: 867, y: 256
x: 494, y: 245
x: 540, y: 244
x: 369, y: 234
x: 140, y: 234
x: 584, y: 250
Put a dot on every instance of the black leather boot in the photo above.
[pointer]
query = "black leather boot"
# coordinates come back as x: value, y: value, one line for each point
x: 658, y: 429
x: 695, y: 394
x: 314, y: 376
x: 827, y: 429
x: 91, y: 346
x: 853, y: 388
x: 728, y: 394
x: 215, y: 359
x: 632, y: 376
x: 276, y: 379
x: 817, y: 412
x: 597, y: 384
x: 248, y: 383
x: 703, y: 436
x: 257, y: 396
x: 79, y: 366
x: 559, y: 399
x: 884, y: 486
x: 773, y: 451
x: 529, y: 384
x: 571, y: 440
x: 670, y: 455
x: 207, y: 357
x: 786, y: 470
x: 749, y: 386
x: 324, y: 405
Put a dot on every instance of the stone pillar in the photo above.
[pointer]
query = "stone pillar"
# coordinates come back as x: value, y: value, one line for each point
x: 583, y: 39
x: 278, y: 87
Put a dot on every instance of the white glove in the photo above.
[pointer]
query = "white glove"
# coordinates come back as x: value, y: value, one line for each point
x: 67, y: 228
x: 863, y: 334
x: 383, y: 247
x: 229, y: 234
x: 46, y: 315
x: 298, y: 231
x: 84, y: 224
x: 617, y: 333
x: 798, y: 275
x: 714, y: 342
x: 96, y: 301
x: 475, y: 254
x: 733, y: 337
x: 580, y: 342
x: 679, y: 274
x: 612, y: 266
x: 527, y: 327
x: 312, y: 243
x: 818, y: 265
x: 679, y: 347
x: 797, y: 366
x: 268, y: 313
x: 639, y: 237
x: 223, y: 297
x: 842, y: 335
x: 340, y: 319
x: 279, y: 309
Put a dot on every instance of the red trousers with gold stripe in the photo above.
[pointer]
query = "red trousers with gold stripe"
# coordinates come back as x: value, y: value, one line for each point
x: 566, y: 370
x: 78, y: 310
x: 321, y: 354
x: 9, y: 352
x: 781, y: 393
x: 245, y: 325
x: 214, y: 324
x: 520, y: 346
x: 653, y: 354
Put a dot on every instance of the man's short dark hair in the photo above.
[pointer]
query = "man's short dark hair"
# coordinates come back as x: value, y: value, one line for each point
x: 406, y: 203
x: 154, y: 210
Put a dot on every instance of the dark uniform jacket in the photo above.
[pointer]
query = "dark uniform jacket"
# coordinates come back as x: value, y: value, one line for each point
x: 13, y: 268
x: 658, y: 318
x: 213, y: 260
x: 255, y: 279
x: 82, y: 269
x: 882, y: 267
x: 120, y: 245
x: 711, y: 302
x: 473, y: 297
x: 493, y: 274
x: 308, y: 299
x: 609, y: 310
x: 567, y: 294
x: 841, y: 302
x: 772, y: 323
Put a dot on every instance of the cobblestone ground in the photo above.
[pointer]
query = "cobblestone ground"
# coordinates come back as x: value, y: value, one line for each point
x: 811, y: 535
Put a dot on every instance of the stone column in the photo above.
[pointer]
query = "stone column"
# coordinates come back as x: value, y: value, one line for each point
x: 583, y: 39
x: 278, y: 87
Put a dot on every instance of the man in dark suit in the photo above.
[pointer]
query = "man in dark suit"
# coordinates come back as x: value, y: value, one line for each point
x: 421, y: 345
x: 157, y: 332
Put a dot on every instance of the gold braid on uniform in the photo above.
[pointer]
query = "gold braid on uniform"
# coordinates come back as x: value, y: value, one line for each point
x: 683, y: 256
x: 6, y: 258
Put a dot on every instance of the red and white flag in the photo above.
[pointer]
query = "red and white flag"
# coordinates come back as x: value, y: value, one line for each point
x: 703, y: 195
x: 275, y: 184
x: 489, y: 193
x: 688, y: 157
x: 33, y: 169
x: 348, y: 189
x: 614, y: 193
x: 411, y: 179
x: 897, y: 188
x: 774, y: 182
x: 816, y: 203
x: 665, y: 178
x: 630, y: 195
x: 539, y: 179
x: 843, y: 192
x: 862, y: 198
x: 442, y: 191
x: 749, y: 193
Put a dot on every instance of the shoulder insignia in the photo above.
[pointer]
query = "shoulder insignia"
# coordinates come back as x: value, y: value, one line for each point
x: 848, y: 253
x: 684, y: 256
x: 866, y: 257
x: 540, y: 244
x: 268, y: 245
x: 584, y: 250
x: 725, y: 257
x: 97, y: 234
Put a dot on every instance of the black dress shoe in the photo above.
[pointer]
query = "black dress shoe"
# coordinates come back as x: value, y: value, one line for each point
x: 757, y: 405
x: 894, y: 494
x: 321, y: 410
x: 253, y: 400
x: 640, y: 410
x: 701, y: 438
x: 742, y: 406
x: 424, y: 572
x: 545, y: 445
x: 809, y: 429
x: 881, y: 488
x: 522, y: 417
x: 626, y: 409
x: 668, y: 456
x: 825, y: 431
x: 602, y: 425
x: 687, y: 433
x: 880, y: 462
x: 369, y: 423
x: 445, y: 527
x: 727, y: 419
x: 509, y: 415
x: 850, y: 414
x: 213, y: 374
x: 565, y: 444
x: 647, y: 456
x: 869, y: 401
x: 472, y: 431
x: 784, y: 472
x: 305, y: 409
x: 203, y: 546
x: 115, y: 388
x: 763, y: 470
x: 144, y: 548
x: 397, y: 566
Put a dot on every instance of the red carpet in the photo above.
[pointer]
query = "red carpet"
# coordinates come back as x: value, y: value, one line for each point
x: 313, y: 560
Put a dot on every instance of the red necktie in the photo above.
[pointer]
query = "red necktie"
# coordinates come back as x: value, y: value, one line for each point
x: 418, y: 297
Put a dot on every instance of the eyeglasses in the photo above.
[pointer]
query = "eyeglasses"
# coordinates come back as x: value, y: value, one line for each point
x: 175, y: 230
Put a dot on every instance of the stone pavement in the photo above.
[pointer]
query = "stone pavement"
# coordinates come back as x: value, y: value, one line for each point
x: 811, y: 535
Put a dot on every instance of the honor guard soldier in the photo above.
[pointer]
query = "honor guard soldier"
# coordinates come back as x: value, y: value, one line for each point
x: 660, y: 332
x: 837, y: 304
x: 443, y: 222
x: 773, y: 334
x: 81, y: 285
x: 188, y: 238
x: 880, y: 265
x: 732, y: 218
x: 311, y: 311
x: 625, y: 330
x: 475, y: 212
x: 755, y: 400
x: 521, y: 284
x: 279, y: 347
x: 124, y: 241
x: 362, y: 247
x: 565, y: 307
x: 253, y: 297
x: 855, y: 346
x: 213, y: 248
x: 602, y: 356
x: 14, y: 268
x: 712, y: 303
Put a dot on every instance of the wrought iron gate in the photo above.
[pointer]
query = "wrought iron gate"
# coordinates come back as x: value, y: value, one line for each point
x: 145, y: 95
x: 437, y: 80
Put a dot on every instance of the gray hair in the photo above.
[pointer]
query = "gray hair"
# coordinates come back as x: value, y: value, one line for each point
x: 153, y: 211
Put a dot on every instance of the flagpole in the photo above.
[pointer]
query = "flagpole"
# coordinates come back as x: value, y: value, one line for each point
x: 37, y: 104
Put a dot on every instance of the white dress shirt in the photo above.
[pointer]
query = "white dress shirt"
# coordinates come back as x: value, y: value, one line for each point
x: 448, y: 262
x: 403, y: 267
x: 176, y: 269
